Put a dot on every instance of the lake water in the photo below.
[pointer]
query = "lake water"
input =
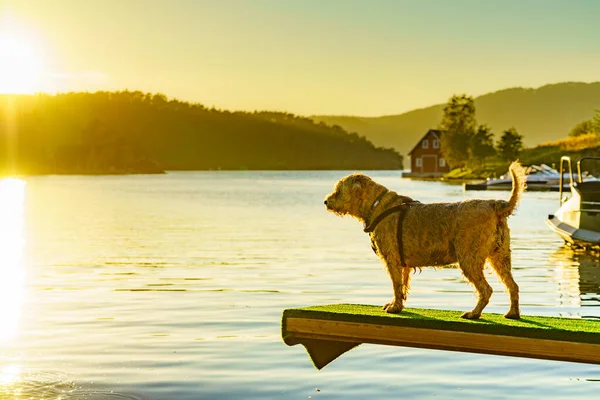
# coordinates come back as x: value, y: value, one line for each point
x: 172, y: 287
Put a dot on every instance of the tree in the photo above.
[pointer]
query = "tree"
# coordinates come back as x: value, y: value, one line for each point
x: 584, y: 127
x: 458, y: 125
x: 120, y: 132
x: 597, y: 122
x: 482, y: 143
x: 510, y: 144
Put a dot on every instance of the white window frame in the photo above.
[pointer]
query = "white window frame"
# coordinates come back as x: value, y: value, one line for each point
x: 425, y: 143
x: 419, y: 162
x: 442, y: 162
x: 436, y: 143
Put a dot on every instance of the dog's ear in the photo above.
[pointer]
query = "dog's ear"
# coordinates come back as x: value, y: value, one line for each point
x: 357, y: 181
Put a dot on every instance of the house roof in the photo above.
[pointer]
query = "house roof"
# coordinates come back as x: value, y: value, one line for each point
x: 436, y: 132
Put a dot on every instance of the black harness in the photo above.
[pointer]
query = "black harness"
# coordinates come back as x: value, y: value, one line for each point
x: 401, y: 209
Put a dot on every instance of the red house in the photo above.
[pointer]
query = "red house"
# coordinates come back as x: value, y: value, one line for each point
x: 426, y: 158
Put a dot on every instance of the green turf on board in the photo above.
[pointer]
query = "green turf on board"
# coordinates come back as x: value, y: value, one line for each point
x: 550, y: 328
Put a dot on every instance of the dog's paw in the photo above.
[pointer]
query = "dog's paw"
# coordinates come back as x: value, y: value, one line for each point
x: 393, y: 308
x: 513, y: 315
x: 470, y: 315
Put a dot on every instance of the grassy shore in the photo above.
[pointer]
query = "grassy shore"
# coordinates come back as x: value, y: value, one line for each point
x: 548, y: 153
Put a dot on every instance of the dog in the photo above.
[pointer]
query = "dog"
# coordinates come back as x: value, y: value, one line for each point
x: 407, y: 234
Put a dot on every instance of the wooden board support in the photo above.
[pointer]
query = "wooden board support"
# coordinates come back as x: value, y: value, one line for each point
x: 329, y: 331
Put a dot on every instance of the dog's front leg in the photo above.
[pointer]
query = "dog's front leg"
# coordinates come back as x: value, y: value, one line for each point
x: 399, y: 277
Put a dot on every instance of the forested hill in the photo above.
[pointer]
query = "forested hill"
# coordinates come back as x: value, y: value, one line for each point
x: 543, y: 114
x: 120, y: 132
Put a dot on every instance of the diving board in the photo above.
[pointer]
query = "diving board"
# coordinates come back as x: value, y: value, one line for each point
x: 329, y: 331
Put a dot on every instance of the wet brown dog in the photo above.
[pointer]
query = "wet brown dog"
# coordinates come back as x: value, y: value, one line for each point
x: 468, y: 232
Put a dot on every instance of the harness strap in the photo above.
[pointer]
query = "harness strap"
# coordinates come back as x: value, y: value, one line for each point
x: 399, y: 208
x: 399, y: 235
x: 376, y: 202
x: 402, y: 209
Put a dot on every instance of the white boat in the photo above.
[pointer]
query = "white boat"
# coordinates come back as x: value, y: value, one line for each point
x: 577, y: 220
x: 539, y: 178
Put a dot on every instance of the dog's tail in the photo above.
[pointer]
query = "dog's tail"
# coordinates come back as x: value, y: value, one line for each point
x: 519, y: 183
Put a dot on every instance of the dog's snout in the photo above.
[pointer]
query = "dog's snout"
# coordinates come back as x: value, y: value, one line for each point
x: 325, y: 202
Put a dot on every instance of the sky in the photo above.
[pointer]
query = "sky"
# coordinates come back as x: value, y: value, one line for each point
x: 369, y: 58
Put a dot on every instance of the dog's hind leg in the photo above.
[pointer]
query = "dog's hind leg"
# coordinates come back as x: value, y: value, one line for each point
x: 501, y: 262
x: 472, y: 268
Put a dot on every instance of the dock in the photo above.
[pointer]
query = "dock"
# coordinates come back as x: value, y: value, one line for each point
x: 329, y: 331
x: 531, y: 187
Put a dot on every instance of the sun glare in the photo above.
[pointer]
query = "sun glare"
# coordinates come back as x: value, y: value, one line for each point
x: 12, y: 195
x: 19, y: 67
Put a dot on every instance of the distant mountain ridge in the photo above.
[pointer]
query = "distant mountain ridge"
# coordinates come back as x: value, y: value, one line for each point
x: 540, y: 114
x: 135, y: 132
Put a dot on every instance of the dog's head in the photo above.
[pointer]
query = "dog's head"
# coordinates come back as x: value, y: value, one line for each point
x: 349, y: 195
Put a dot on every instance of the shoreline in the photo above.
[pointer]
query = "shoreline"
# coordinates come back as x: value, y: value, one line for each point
x: 112, y: 173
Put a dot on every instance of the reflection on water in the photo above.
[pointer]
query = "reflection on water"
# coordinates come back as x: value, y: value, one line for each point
x: 578, y: 274
x: 9, y: 374
x: 172, y: 287
x: 12, y: 193
x: 18, y: 384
